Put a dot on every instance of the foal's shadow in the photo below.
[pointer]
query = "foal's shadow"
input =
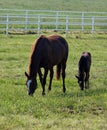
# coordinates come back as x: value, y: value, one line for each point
x: 85, y: 93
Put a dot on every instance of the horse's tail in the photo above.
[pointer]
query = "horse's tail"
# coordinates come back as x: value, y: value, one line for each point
x: 58, y: 71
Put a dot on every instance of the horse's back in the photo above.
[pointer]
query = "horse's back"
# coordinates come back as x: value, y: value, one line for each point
x: 58, y: 41
x: 59, y: 46
x: 85, y: 61
x: 51, y: 50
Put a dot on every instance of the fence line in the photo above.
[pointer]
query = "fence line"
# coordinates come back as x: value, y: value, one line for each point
x: 54, y: 20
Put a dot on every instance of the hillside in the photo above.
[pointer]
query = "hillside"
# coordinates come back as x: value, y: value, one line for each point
x: 72, y: 5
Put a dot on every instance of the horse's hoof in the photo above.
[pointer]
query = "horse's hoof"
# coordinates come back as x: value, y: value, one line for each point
x: 86, y: 87
x: 43, y: 93
x: 82, y: 89
x: 64, y: 90
x: 49, y: 89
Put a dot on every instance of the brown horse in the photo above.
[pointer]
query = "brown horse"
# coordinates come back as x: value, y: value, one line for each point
x: 47, y: 52
x: 84, y: 69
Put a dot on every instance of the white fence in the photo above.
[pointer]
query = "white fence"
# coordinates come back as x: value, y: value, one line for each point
x: 36, y: 21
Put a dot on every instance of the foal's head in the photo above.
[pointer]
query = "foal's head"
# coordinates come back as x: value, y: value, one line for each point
x: 81, y: 79
x: 31, y: 84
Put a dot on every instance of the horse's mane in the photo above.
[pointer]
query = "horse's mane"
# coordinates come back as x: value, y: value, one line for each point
x: 36, y: 42
x: 34, y: 47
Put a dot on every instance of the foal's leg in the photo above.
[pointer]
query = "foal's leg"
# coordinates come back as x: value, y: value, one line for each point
x: 44, y: 81
x: 51, y: 77
x: 87, y: 81
x: 63, y: 76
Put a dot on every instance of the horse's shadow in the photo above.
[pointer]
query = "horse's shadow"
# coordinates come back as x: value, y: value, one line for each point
x: 82, y: 93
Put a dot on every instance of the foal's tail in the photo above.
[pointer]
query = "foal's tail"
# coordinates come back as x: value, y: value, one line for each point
x: 58, y: 71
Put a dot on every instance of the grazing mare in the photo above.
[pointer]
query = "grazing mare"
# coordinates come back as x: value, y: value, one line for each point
x: 47, y: 52
x: 84, y: 70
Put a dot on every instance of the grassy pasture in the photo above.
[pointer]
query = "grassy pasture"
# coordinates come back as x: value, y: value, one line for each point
x: 76, y: 110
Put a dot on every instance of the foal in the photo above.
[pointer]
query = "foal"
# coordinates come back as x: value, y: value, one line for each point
x: 84, y: 70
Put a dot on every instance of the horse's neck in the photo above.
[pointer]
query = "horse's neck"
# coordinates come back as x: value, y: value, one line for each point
x: 34, y: 66
x: 33, y: 71
x: 35, y: 59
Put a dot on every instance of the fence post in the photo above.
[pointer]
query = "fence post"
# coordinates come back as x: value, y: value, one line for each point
x: 26, y: 19
x: 82, y: 21
x: 93, y: 25
x: 38, y: 25
x: 7, y: 26
x: 66, y: 24
x: 57, y: 14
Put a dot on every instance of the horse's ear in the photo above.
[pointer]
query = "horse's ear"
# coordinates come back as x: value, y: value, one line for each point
x: 77, y: 76
x: 26, y: 74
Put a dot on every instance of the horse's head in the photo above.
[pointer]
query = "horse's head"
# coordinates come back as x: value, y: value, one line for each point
x: 80, y: 81
x: 31, y: 84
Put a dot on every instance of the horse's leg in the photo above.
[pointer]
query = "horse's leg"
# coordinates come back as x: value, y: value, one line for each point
x: 44, y: 81
x: 51, y: 77
x: 85, y: 84
x: 40, y: 75
x: 87, y: 81
x: 63, y: 76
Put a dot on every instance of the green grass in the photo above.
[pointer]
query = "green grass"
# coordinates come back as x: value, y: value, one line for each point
x: 76, y: 110
x: 72, y: 5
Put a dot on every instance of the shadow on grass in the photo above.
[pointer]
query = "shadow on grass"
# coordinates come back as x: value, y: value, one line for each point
x: 88, y: 93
